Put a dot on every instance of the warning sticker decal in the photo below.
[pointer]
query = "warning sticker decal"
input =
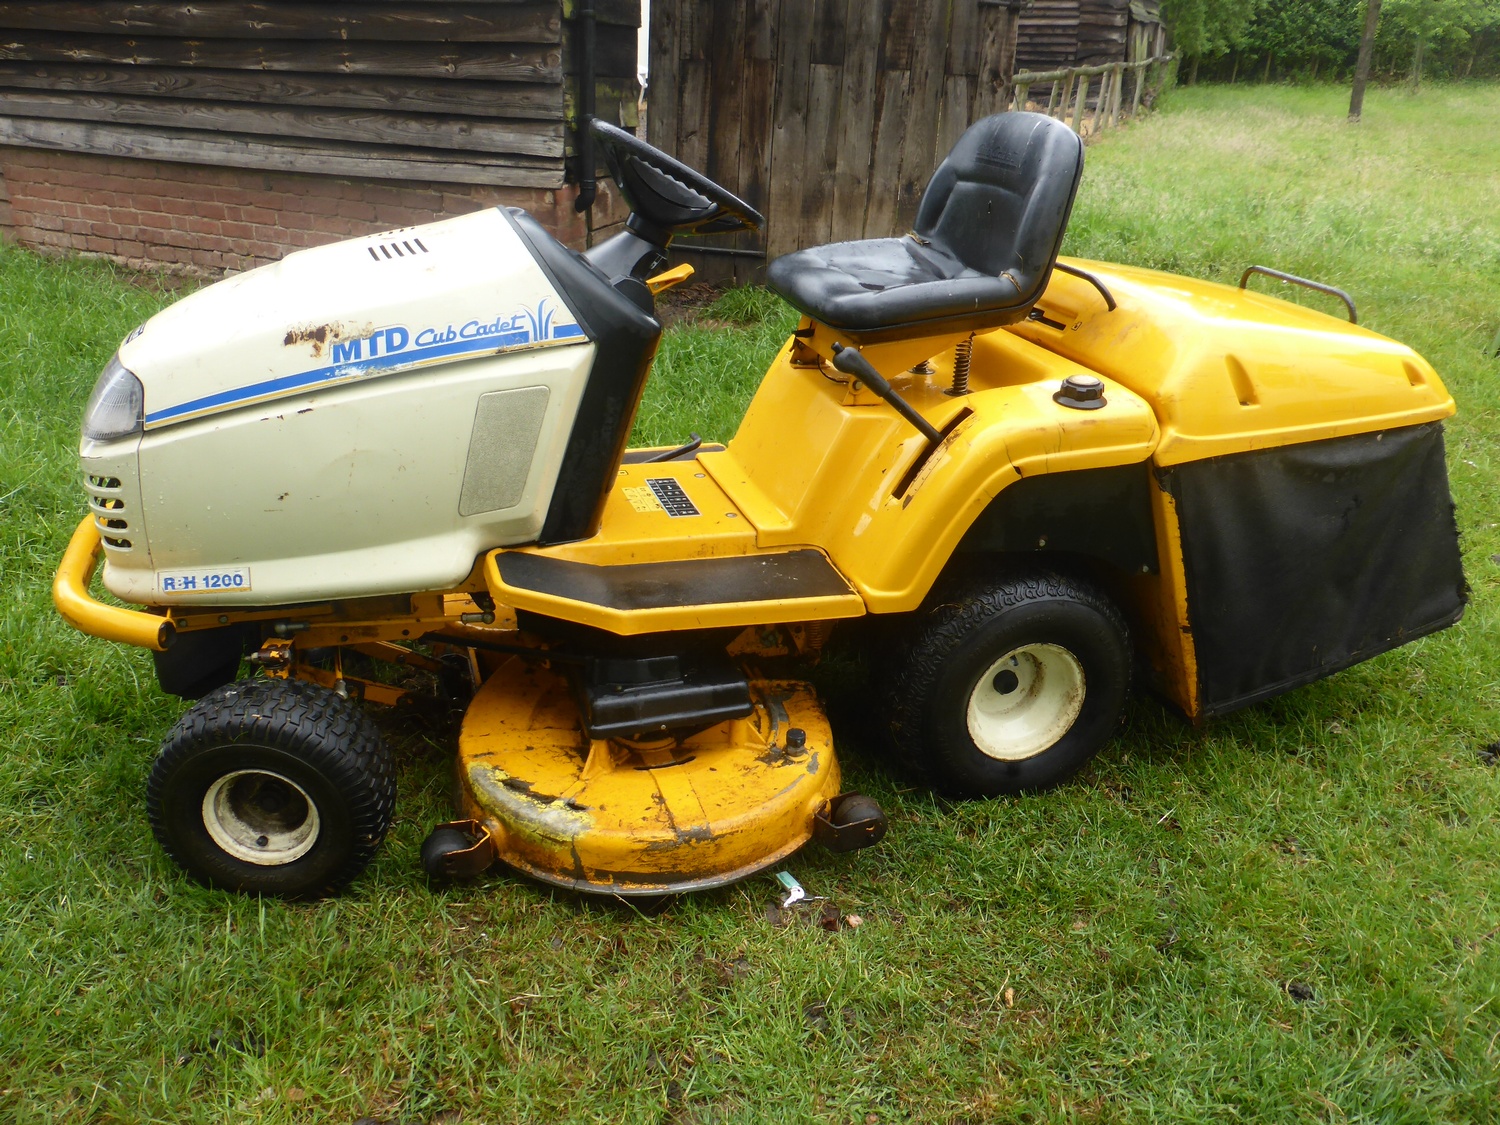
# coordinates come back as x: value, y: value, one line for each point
x: 673, y: 500
x: 642, y: 499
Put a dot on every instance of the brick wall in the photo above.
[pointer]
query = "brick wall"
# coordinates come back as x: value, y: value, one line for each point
x: 5, y: 212
x: 205, y: 221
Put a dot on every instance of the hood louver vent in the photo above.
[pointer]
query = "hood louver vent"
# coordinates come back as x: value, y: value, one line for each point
x: 406, y: 248
x: 110, y: 515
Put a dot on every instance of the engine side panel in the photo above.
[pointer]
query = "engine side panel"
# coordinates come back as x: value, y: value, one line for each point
x: 360, y: 418
x: 357, y: 489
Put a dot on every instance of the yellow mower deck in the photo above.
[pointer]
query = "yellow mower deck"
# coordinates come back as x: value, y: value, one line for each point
x: 604, y: 817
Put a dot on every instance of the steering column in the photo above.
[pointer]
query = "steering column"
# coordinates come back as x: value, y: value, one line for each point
x: 666, y: 198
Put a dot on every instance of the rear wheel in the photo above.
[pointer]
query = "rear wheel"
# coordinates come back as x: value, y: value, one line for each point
x: 273, y: 787
x: 1011, y: 686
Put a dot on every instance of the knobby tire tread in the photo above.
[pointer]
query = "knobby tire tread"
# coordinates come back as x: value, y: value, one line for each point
x: 331, y: 733
x: 908, y: 677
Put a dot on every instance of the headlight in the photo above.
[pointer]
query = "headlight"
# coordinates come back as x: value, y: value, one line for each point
x: 116, y: 409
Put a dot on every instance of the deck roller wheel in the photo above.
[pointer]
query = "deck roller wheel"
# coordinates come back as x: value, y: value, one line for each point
x: 849, y: 822
x: 460, y: 849
x: 273, y: 787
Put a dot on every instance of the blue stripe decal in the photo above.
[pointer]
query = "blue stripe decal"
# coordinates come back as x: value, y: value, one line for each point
x: 347, y: 372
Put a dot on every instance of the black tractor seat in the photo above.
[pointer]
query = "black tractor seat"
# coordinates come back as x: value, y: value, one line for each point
x: 987, y: 234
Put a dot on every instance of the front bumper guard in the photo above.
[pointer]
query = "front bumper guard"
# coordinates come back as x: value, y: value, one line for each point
x: 70, y: 594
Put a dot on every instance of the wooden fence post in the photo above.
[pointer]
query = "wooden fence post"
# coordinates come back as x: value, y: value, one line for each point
x: 1071, y: 86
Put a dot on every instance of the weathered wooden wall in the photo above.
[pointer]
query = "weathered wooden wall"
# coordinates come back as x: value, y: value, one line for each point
x: 1101, y: 30
x: 455, y: 91
x: 1047, y: 35
x: 1147, y: 34
x: 828, y: 115
x: 1059, y: 33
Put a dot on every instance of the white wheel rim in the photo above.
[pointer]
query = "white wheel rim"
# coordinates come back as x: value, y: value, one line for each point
x: 261, y: 817
x: 1025, y: 701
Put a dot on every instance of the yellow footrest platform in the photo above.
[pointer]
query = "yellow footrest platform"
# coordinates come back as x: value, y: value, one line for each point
x: 646, y: 597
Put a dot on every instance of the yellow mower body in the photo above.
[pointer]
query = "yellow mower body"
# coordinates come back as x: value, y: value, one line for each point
x: 1244, y: 493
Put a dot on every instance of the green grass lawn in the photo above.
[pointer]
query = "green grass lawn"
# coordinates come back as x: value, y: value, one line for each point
x: 1118, y: 950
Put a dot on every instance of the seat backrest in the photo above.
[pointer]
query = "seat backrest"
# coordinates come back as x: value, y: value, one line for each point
x: 1000, y: 202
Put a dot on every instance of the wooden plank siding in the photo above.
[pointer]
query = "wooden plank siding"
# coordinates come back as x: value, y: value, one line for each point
x: 1047, y: 36
x: 828, y: 115
x: 448, y: 91
x: 1101, y: 31
x: 1058, y: 34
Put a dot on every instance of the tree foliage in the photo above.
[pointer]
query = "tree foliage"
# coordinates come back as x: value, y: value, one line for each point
x: 1289, y: 38
x: 1442, y: 33
x: 1208, y: 27
x: 1306, y: 33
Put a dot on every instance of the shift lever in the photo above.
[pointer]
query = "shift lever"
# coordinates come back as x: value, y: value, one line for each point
x: 851, y: 362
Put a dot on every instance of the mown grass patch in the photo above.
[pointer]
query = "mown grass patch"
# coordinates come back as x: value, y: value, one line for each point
x: 1289, y: 914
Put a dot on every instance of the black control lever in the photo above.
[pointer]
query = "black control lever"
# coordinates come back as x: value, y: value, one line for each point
x: 850, y: 362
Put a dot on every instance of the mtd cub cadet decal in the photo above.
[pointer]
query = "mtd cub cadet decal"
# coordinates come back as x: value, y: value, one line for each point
x: 388, y: 350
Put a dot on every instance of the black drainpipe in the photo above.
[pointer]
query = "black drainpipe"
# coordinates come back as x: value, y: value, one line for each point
x: 588, y: 184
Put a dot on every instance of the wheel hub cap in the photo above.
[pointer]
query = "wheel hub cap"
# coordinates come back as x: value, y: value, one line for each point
x: 260, y: 817
x: 1025, y: 701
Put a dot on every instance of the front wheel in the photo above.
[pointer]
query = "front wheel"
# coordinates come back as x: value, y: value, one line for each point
x: 273, y: 787
x: 1010, y: 686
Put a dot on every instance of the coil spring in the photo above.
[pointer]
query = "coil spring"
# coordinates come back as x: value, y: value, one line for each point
x: 815, y: 634
x: 963, y: 353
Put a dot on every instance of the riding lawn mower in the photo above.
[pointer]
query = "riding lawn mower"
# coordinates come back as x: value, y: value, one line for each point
x: 1026, y: 482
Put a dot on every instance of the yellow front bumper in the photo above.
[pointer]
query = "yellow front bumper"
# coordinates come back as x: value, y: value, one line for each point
x: 70, y: 593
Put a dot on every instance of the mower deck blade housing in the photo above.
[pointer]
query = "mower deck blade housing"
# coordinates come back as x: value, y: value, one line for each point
x: 607, y: 817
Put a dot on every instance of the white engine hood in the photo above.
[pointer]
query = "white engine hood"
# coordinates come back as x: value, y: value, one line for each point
x: 350, y: 311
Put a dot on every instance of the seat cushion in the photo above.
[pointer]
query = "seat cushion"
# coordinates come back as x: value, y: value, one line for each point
x: 987, y: 234
x: 889, y: 284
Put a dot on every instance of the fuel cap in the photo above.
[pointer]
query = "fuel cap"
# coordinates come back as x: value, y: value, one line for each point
x: 1081, y: 392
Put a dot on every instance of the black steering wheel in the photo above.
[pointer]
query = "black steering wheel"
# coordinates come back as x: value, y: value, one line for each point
x: 666, y: 193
